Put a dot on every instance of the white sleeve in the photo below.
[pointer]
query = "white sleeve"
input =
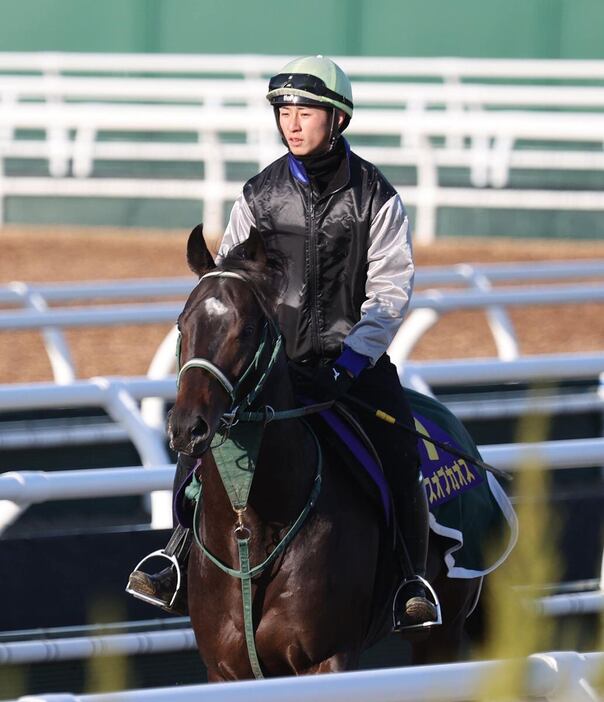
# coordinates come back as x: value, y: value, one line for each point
x: 390, y: 275
x: 238, y: 228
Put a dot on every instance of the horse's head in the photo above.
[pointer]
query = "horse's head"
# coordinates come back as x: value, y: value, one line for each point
x: 226, y: 334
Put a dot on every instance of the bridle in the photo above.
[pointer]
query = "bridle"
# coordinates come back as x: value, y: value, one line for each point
x: 270, y: 343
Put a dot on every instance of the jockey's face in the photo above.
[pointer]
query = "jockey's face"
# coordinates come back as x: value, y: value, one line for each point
x: 306, y: 129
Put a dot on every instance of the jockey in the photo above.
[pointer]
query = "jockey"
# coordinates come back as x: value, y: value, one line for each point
x: 345, y: 234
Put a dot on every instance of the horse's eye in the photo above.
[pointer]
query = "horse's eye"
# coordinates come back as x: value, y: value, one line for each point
x: 248, y: 330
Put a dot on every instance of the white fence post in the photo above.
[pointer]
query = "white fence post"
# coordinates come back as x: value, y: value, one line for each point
x: 54, y: 339
x: 149, y: 443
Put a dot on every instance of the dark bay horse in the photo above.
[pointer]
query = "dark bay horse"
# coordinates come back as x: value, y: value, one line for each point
x: 327, y: 595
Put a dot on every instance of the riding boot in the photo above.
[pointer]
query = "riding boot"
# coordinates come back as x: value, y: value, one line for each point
x: 413, y: 606
x: 168, y: 588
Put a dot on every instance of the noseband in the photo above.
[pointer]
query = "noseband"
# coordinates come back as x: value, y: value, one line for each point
x: 271, y: 335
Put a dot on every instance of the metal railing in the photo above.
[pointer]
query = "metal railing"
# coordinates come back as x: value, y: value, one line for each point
x: 205, y: 97
x: 120, y: 397
x: 489, y: 155
x: 32, y: 487
x: 144, y: 423
x: 52, y: 63
x: 560, y: 675
x: 426, y: 307
x: 177, y: 638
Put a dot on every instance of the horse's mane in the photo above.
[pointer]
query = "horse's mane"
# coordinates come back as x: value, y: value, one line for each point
x: 269, y: 276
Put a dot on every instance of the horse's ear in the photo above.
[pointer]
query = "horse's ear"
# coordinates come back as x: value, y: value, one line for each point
x: 199, y: 257
x: 254, y: 248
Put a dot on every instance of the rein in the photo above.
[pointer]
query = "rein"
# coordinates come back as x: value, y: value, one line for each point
x: 236, y: 459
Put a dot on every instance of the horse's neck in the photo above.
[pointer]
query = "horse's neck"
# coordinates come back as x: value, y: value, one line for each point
x: 282, y: 482
x: 278, y: 391
x: 284, y: 436
x: 287, y: 461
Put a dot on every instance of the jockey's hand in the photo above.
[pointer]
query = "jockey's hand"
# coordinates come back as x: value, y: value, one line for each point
x: 330, y: 383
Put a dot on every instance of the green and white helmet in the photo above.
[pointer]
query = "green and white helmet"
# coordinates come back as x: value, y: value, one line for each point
x: 315, y: 81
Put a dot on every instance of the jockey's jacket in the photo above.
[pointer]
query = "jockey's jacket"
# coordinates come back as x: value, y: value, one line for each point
x: 349, y: 257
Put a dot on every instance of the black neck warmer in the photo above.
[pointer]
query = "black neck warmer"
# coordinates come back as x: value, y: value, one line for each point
x: 324, y: 169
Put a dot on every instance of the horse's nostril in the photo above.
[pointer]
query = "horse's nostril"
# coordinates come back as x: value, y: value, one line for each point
x: 200, y: 429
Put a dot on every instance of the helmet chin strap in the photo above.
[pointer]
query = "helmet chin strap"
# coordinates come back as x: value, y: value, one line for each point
x: 333, y: 130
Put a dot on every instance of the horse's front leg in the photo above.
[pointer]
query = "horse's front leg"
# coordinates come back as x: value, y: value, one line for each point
x: 338, y: 663
x: 223, y: 673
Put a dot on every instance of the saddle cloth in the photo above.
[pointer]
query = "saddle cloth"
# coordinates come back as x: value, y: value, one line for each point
x: 468, y: 507
x: 445, y: 475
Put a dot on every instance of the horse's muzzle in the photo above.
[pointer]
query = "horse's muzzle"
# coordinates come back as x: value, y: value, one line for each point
x: 191, y: 436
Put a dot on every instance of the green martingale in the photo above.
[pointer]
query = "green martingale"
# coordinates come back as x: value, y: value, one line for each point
x: 236, y: 459
x: 236, y: 462
x: 237, y: 477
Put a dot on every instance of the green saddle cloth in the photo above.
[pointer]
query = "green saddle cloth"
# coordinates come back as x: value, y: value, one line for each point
x: 468, y: 507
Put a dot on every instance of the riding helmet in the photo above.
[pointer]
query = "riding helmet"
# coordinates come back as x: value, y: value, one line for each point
x: 312, y: 80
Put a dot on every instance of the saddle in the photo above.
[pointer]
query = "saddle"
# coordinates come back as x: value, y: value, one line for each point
x: 340, y: 430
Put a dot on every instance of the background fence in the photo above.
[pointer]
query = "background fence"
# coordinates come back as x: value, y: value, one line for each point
x: 459, y: 138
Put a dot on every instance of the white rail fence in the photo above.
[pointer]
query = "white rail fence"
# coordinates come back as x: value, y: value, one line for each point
x: 434, y: 303
x: 120, y: 398
x: 96, y: 116
x: 560, y: 675
x: 181, y: 639
x: 564, y: 675
x: 445, y: 69
x: 79, y: 647
x: 32, y: 487
x: 427, y: 307
x: 19, y: 490
x: 146, y: 426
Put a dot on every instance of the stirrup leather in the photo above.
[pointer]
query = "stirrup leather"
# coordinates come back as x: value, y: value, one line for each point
x: 160, y: 553
x: 430, y: 591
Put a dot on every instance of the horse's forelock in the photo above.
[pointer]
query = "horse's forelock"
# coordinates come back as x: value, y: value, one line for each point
x: 269, y: 278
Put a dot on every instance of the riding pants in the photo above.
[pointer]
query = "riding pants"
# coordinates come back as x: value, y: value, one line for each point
x: 380, y: 387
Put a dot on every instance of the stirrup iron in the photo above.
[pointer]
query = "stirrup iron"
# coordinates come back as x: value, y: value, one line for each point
x: 431, y: 592
x: 177, y: 547
x: 160, y: 553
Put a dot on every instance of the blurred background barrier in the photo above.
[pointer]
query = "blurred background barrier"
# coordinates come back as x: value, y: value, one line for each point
x: 427, y: 306
x: 568, y: 676
x: 455, y: 136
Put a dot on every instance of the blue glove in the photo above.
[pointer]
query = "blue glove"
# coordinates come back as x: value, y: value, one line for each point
x: 330, y: 383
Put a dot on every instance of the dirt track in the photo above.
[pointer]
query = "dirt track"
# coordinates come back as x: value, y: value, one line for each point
x: 53, y: 254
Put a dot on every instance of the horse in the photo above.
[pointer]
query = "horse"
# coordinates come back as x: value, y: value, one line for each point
x: 326, y: 593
